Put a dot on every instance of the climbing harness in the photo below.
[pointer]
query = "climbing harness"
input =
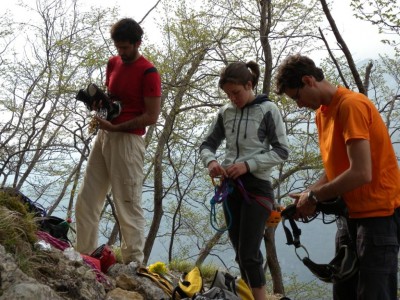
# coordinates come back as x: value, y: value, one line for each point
x: 345, y: 264
x: 223, y: 188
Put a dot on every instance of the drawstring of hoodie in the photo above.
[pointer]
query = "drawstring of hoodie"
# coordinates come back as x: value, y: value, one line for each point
x: 234, y: 121
x: 247, y: 121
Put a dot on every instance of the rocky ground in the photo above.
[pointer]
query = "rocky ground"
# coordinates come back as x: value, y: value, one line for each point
x: 35, y: 265
x: 32, y: 268
x: 62, y: 278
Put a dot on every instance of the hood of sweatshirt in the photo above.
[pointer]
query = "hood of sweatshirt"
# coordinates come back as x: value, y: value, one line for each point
x: 257, y: 100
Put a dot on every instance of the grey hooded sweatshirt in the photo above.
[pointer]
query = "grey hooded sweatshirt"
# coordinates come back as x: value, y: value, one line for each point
x: 254, y: 134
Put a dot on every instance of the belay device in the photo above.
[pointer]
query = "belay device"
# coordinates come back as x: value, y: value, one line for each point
x: 345, y: 264
x: 93, y: 96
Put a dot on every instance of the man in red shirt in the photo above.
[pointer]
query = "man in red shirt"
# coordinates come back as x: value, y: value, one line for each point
x: 360, y: 165
x: 116, y: 160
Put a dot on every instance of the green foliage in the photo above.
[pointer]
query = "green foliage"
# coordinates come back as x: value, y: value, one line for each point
x: 117, y: 252
x: 208, y: 271
x: 180, y: 266
x: 384, y: 14
x: 314, y: 289
x: 45, y: 139
x: 13, y: 202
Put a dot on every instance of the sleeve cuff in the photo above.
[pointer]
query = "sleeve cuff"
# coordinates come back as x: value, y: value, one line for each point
x: 252, y: 165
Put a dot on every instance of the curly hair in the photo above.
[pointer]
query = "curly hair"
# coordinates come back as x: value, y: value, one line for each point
x: 291, y: 71
x: 126, y: 29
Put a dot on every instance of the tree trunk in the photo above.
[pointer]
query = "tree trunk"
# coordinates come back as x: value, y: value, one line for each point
x: 183, y: 84
x: 269, y: 234
x: 272, y: 261
x: 265, y: 27
x: 208, y: 247
x: 114, y: 235
x: 344, y: 48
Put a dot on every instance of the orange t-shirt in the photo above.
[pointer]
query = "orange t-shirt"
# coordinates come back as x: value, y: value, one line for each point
x: 352, y: 115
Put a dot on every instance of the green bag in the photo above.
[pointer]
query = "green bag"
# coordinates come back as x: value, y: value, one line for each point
x: 190, y: 283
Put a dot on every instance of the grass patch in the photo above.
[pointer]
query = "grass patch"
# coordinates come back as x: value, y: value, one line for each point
x: 181, y: 266
x: 17, y: 229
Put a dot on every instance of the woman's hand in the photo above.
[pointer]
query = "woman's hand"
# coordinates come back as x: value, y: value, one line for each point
x: 235, y: 170
x: 215, y: 169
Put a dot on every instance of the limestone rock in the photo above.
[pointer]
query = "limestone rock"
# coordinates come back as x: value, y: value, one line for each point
x: 30, y: 291
x: 120, y: 294
x: 61, y: 278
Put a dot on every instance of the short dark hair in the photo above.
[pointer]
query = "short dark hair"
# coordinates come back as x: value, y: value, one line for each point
x: 292, y: 70
x: 126, y: 29
x: 240, y: 73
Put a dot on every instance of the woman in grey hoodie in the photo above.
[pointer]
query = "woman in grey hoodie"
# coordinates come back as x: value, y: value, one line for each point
x: 255, y: 142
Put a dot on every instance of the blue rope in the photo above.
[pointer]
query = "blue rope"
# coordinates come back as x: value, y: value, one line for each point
x: 221, y: 193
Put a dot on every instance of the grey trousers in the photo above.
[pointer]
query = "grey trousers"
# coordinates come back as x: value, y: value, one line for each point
x: 377, y: 245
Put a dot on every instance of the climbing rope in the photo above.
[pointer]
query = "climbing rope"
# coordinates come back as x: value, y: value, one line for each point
x: 221, y: 192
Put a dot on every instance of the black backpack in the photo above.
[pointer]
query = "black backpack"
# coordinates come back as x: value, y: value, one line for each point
x: 56, y: 227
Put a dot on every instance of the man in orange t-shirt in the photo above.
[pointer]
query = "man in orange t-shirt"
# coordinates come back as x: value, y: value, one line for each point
x: 360, y: 165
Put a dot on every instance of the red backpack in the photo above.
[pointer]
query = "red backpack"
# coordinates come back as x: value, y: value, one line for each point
x: 106, y: 256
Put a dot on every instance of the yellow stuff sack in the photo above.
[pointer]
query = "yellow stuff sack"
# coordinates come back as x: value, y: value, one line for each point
x: 243, y: 290
x: 190, y: 283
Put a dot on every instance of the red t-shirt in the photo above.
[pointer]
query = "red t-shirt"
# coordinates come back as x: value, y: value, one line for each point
x: 130, y: 83
x: 350, y: 116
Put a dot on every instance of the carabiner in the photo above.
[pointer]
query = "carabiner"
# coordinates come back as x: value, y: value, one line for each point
x: 304, y: 248
x: 221, y: 178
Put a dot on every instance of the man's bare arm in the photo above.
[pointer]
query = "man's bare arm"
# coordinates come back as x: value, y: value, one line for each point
x: 358, y: 173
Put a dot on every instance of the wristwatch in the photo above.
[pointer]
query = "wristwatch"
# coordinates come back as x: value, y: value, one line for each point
x: 311, y: 197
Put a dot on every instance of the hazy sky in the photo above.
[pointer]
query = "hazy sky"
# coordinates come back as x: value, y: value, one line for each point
x: 362, y: 38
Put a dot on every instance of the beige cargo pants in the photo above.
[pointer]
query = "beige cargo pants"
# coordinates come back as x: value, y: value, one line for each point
x: 116, y: 162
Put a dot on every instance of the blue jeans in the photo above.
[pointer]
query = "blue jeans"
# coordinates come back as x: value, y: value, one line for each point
x: 377, y: 244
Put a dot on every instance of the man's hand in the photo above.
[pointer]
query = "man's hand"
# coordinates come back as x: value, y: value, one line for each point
x: 105, y: 125
x: 304, y: 207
